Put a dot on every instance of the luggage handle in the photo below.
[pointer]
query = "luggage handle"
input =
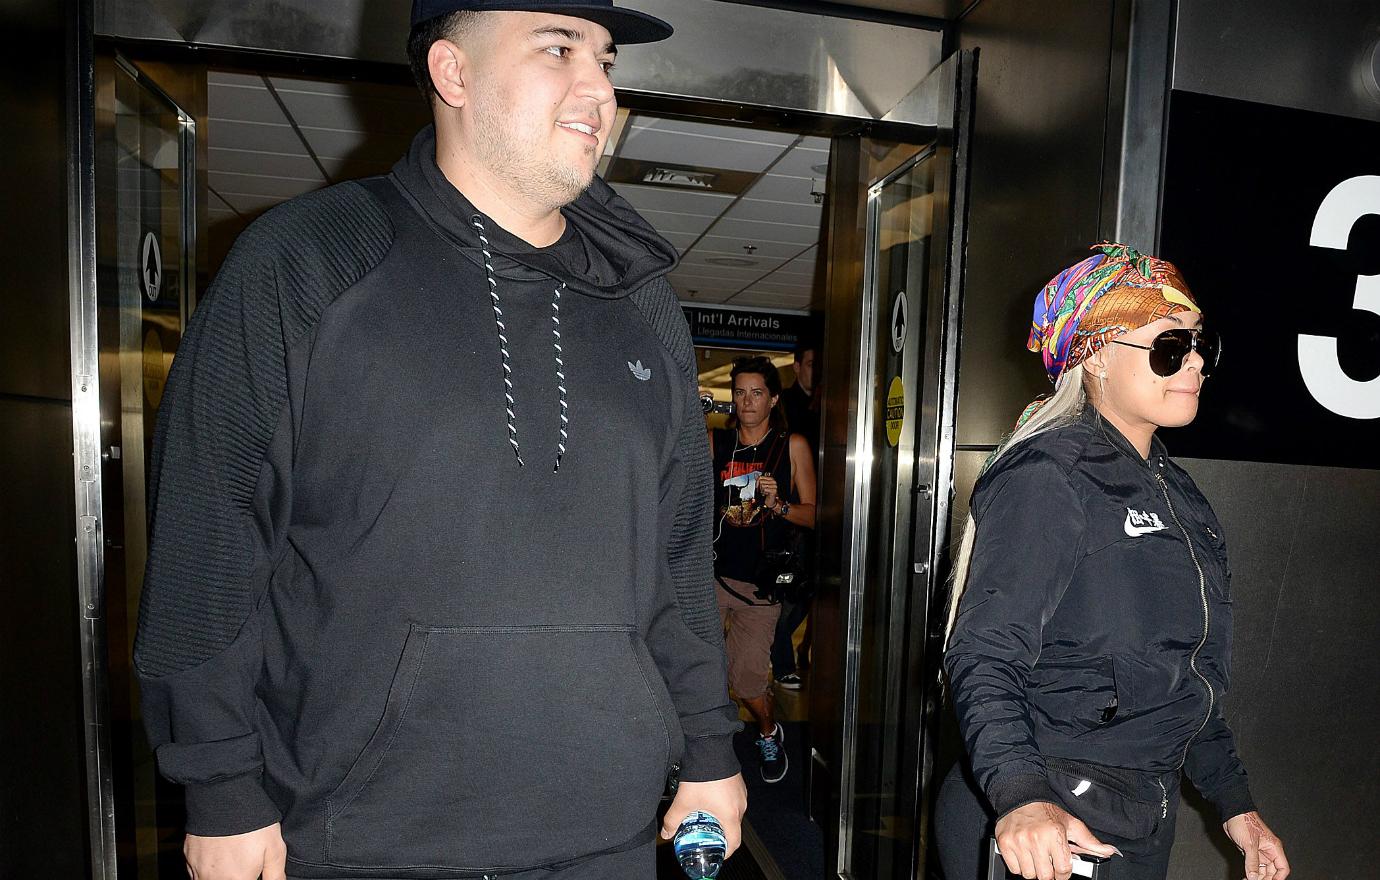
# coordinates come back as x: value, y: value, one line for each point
x: 1090, y: 867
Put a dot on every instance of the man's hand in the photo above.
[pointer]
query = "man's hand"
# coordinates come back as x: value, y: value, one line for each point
x: 1034, y: 841
x: 238, y: 857
x: 1264, y: 851
x: 724, y: 799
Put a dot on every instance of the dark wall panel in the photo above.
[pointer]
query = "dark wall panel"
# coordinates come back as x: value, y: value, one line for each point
x: 33, y: 334
x: 1288, y: 53
x: 1037, y: 179
x: 1305, y: 698
x: 42, y: 812
x: 42, y: 805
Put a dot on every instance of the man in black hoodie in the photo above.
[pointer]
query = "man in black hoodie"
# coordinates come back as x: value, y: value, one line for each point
x: 429, y: 590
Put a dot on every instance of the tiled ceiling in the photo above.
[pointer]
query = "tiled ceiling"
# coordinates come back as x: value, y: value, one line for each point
x: 273, y: 137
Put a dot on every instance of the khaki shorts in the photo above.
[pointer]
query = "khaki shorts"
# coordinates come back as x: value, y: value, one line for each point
x: 750, y: 630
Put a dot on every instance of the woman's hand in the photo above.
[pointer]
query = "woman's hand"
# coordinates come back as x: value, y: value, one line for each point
x: 1264, y: 851
x: 769, y: 489
x: 1034, y: 841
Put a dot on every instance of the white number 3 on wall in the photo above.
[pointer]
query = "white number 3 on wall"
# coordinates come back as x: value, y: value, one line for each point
x: 1348, y: 202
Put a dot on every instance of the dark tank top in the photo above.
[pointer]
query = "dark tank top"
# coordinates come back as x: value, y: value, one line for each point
x: 742, y: 526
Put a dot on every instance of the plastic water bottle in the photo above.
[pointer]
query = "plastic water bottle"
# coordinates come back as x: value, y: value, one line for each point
x: 700, y: 846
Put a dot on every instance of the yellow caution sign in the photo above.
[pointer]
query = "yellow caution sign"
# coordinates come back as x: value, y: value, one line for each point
x: 895, y: 410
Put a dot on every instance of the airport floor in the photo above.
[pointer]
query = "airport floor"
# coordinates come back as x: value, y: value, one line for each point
x: 780, y: 840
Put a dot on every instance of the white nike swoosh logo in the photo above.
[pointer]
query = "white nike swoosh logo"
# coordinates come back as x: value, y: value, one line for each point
x: 1137, y: 531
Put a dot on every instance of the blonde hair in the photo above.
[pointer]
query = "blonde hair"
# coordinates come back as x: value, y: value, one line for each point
x: 1062, y: 408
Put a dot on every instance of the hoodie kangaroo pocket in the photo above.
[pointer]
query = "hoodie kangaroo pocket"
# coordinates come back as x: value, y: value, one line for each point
x: 506, y: 747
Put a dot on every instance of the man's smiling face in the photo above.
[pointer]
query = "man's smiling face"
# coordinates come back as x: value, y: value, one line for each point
x: 540, y: 102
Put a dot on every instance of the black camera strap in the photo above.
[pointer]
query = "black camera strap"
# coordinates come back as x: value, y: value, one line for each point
x: 732, y: 592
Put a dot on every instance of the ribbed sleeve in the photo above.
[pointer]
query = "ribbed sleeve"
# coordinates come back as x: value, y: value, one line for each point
x: 686, y: 638
x: 225, y: 395
x: 218, y: 508
x: 689, y: 551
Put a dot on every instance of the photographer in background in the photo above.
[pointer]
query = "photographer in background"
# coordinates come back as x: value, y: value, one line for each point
x: 764, y: 489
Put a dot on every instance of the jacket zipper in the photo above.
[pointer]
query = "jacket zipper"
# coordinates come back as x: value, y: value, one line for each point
x: 1193, y: 658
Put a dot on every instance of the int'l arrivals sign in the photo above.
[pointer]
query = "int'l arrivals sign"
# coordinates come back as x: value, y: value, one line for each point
x: 748, y: 328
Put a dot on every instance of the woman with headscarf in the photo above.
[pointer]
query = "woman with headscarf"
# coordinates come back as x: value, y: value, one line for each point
x: 1090, y: 625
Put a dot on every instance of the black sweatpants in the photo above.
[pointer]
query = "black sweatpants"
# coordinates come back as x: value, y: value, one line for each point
x: 963, y: 824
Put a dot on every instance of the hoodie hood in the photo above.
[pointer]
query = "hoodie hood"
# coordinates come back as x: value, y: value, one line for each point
x: 607, y: 249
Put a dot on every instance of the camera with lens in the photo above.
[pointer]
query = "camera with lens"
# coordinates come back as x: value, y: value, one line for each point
x: 710, y: 405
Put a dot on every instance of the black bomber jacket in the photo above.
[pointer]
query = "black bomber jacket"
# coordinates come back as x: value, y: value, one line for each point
x: 1096, y: 623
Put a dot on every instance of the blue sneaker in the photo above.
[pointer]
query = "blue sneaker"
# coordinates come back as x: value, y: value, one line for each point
x: 772, y: 748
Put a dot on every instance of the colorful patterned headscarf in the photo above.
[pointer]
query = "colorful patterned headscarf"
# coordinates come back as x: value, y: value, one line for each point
x: 1089, y: 304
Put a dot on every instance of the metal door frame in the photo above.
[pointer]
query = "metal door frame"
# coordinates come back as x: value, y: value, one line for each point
x: 858, y: 518
x: 931, y: 476
x: 84, y: 115
x: 86, y: 435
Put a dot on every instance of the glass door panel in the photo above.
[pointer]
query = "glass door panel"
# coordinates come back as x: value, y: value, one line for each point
x: 880, y: 837
x: 896, y: 267
x: 145, y: 274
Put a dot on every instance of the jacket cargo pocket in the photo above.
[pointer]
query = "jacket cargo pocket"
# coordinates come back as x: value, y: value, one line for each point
x: 506, y: 747
x: 1075, y: 696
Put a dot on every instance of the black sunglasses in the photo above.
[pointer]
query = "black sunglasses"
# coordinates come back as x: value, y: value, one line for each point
x: 1169, y: 349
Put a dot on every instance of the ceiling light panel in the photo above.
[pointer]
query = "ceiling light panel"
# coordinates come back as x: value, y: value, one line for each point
x: 678, y: 176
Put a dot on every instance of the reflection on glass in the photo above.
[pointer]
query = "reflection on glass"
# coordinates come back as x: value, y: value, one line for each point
x: 887, y: 727
x: 143, y: 278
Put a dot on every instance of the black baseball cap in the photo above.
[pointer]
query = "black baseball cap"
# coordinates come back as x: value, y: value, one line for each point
x: 626, y: 25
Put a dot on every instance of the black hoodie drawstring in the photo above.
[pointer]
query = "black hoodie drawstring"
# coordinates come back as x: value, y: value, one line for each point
x: 478, y: 224
x: 560, y: 374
